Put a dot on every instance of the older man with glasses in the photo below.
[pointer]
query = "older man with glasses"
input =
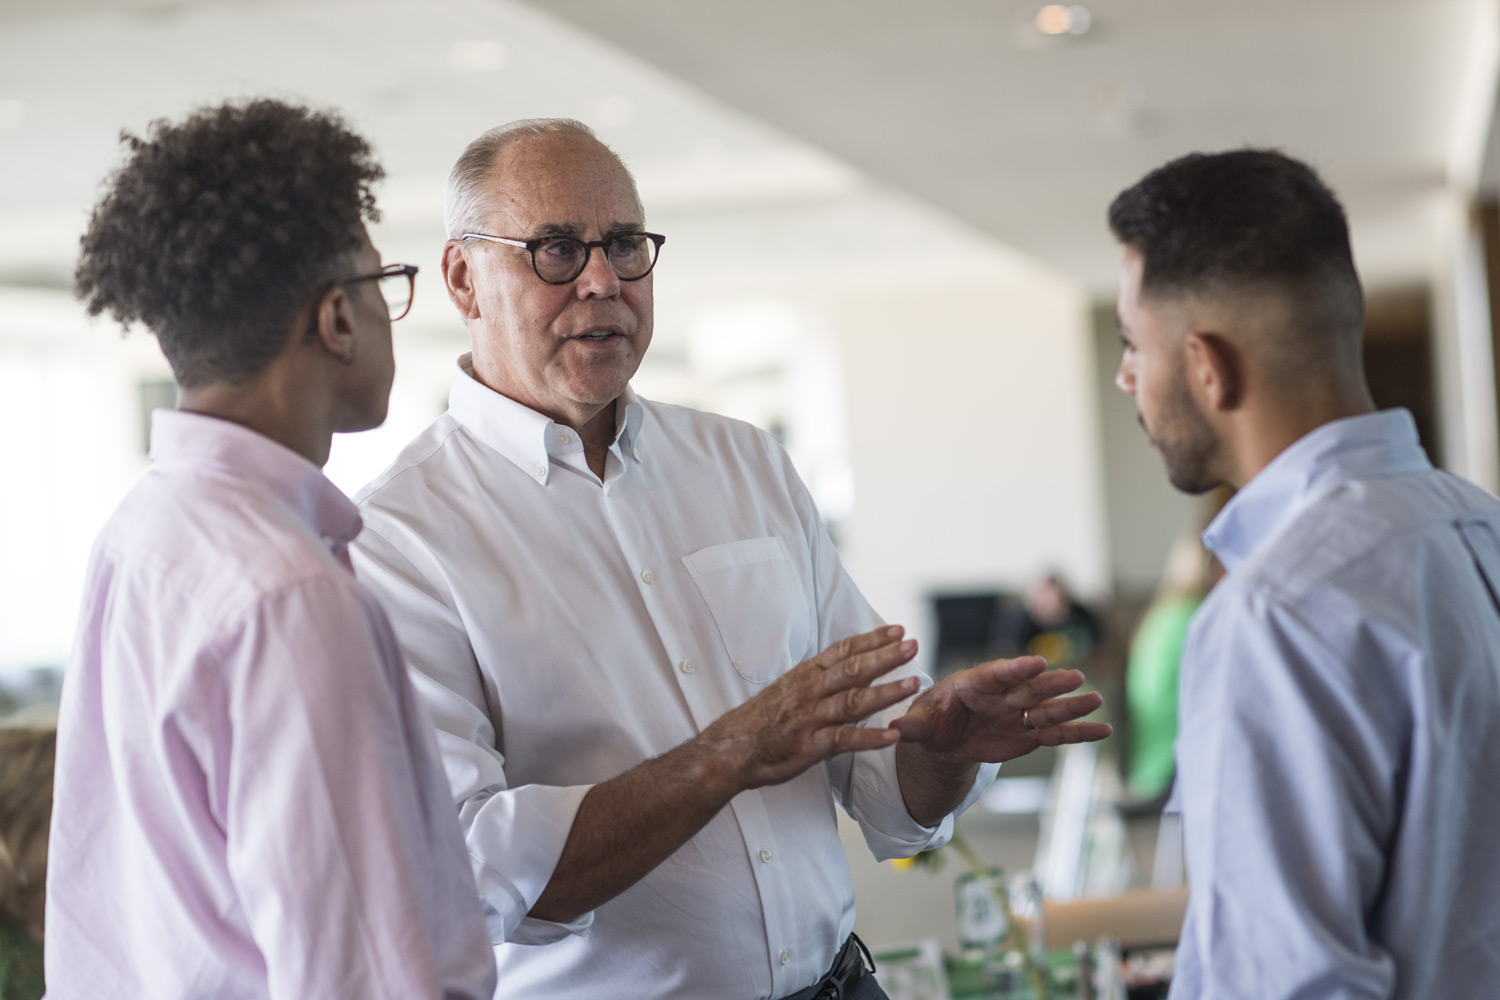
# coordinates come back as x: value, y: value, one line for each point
x: 614, y: 610
x: 249, y: 799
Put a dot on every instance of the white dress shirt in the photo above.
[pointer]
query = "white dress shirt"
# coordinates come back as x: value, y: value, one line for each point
x: 248, y: 802
x: 563, y: 629
x: 1340, y: 732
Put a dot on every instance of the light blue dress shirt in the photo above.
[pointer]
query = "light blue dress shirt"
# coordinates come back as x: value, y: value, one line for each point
x: 1339, y: 754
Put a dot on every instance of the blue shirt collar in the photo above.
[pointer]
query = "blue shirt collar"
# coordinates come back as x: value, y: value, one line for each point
x: 1369, y: 446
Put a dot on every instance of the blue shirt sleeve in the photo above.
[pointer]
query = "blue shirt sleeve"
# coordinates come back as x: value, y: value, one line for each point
x: 1288, y: 757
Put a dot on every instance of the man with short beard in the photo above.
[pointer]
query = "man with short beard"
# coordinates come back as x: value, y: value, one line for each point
x: 1340, y: 698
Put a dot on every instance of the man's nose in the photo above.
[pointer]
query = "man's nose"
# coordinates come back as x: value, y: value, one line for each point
x: 1125, y: 378
x: 597, y: 277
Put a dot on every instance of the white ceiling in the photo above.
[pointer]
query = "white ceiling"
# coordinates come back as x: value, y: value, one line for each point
x: 782, y: 136
x: 421, y: 81
x: 964, y: 104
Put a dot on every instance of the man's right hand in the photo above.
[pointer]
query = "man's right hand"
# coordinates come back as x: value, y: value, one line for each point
x: 810, y: 713
x: 630, y: 824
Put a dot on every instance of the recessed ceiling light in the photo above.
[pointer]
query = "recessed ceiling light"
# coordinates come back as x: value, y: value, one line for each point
x: 481, y: 55
x: 1058, y: 19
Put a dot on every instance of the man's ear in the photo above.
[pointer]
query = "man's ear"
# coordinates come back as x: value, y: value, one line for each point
x: 458, y: 279
x: 1215, y: 369
x: 332, y: 324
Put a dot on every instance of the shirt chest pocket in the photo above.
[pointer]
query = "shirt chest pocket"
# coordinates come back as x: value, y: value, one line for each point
x: 757, y: 602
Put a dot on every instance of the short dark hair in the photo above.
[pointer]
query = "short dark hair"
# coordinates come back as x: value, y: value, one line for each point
x: 1213, y: 222
x: 215, y: 231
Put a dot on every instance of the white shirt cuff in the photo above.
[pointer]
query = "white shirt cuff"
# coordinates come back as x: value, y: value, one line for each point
x: 889, y: 828
x: 515, y: 838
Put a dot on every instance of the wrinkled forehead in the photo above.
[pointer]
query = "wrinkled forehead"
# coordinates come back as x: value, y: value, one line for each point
x: 561, y: 182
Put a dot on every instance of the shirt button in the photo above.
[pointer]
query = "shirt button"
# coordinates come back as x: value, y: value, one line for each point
x: 539, y: 471
x: 563, y: 439
x: 648, y: 576
x: 786, y: 957
x: 609, y: 492
x: 765, y: 855
x: 688, y: 666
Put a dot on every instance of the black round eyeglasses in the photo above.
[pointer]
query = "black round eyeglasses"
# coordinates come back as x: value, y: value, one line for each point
x: 558, y: 260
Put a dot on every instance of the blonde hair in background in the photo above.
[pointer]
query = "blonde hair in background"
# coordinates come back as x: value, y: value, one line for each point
x: 1191, y: 570
x: 27, y: 756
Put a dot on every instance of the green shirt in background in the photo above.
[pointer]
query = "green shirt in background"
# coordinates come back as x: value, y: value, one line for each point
x: 1151, y: 693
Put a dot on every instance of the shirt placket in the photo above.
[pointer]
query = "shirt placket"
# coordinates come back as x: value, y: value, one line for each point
x: 658, y: 584
x: 644, y: 551
x: 786, y: 946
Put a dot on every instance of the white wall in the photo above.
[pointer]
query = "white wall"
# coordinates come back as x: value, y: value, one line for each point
x: 974, y: 438
x: 71, y: 436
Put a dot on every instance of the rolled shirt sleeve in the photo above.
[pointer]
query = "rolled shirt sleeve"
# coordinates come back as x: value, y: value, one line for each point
x: 514, y: 835
x: 351, y: 876
x: 870, y: 791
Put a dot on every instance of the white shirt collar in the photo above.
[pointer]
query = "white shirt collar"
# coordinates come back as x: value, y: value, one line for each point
x: 527, y: 439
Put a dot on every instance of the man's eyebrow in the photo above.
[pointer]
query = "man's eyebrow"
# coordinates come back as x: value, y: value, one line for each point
x: 624, y: 229
x: 547, y: 229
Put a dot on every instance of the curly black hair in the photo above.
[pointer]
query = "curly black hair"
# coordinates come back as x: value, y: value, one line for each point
x: 215, y: 231
x: 1213, y: 221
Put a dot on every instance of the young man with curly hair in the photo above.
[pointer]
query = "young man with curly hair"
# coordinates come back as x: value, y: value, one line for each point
x: 249, y: 800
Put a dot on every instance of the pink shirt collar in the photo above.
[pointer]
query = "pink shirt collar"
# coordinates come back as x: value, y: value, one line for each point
x: 180, y: 438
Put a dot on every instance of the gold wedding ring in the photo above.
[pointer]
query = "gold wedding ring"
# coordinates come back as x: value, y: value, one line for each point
x: 1026, y: 719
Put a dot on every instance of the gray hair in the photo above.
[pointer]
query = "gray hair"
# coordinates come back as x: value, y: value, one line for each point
x: 463, y: 201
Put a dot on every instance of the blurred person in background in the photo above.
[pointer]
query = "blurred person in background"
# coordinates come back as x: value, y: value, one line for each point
x: 1151, y: 675
x: 615, y: 611
x: 1340, y: 697
x: 1048, y: 621
x: 249, y: 798
x: 27, y: 755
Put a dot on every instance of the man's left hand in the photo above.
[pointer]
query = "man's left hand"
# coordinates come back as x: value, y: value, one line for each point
x: 981, y: 714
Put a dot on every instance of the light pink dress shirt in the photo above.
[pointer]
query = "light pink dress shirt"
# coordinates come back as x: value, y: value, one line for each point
x: 249, y: 801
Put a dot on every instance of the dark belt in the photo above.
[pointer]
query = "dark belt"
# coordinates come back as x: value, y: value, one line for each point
x: 847, y: 979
